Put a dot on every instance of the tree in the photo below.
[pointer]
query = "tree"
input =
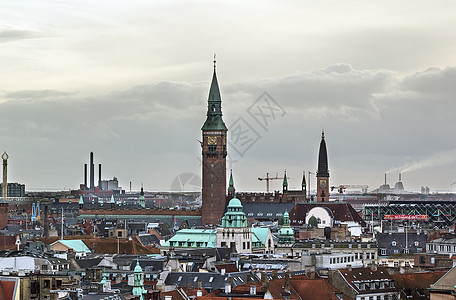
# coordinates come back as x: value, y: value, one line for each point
x: 313, y: 221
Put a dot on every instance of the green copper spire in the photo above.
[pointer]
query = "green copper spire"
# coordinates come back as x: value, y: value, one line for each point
x: 285, y: 180
x: 138, y: 287
x: 234, y: 216
x: 214, y: 119
x: 231, y: 179
x: 286, y: 233
x: 81, y: 201
x: 112, y: 199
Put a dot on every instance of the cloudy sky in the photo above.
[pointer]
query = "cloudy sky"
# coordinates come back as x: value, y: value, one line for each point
x: 129, y: 81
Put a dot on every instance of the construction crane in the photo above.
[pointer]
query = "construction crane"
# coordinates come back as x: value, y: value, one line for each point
x: 341, y: 188
x: 267, y: 178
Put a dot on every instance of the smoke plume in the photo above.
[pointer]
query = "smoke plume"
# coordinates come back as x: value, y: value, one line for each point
x: 436, y: 160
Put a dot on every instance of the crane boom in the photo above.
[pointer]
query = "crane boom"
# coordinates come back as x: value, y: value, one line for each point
x: 267, y: 178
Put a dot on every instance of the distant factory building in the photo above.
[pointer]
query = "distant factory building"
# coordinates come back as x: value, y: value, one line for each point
x: 104, y: 187
x: 14, y: 189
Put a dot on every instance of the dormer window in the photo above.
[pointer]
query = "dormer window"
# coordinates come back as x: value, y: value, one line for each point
x: 393, y: 243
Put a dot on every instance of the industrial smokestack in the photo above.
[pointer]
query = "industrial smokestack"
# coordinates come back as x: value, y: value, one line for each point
x: 400, y: 177
x: 46, y: 221
x: 85, y: 176
x: 99, y: 176
x: 92, y: 175
x: 5, y: 175
x: 385, y: 178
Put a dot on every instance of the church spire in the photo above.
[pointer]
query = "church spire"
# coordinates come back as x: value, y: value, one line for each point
x: 285, y: 182
x: 322, y: 158
x: 231, y: 189
x: 304, y: 185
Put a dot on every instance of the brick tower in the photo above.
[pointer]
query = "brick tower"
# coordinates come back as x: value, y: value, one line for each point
x: 322, y: 172
x: 214, y: 158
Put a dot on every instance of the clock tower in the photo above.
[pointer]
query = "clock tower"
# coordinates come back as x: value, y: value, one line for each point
x: 214, y: 158
x: 322, y: 172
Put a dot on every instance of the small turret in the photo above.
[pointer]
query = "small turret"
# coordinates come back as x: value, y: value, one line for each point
x: 142, y: 199
x: 112, y: 203
x: 81, y: 202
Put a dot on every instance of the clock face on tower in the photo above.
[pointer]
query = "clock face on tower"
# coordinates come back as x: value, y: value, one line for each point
x: 212, y: 140
x: 322, y: 183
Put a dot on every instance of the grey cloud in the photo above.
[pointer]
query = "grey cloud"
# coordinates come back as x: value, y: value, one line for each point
x: 367, y: 115
x: 8, y: 35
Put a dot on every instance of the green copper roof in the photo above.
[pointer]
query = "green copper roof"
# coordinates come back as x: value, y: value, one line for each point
x: 76, y: 245
x: 285, y: 180
x: 286, y: 233
x: 112, y: 199
x: 261, y: 233
x: 234, y: 216
x: 81, y: 201
x: 138, y: 268
x: 193, y: 238
x: 214, y: 119
x: 235, y: 202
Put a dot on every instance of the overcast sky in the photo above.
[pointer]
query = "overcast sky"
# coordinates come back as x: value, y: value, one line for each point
x: 129, y: 81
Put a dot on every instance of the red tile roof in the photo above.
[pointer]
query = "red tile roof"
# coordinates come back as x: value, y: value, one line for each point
x: 7, y: 289
x: 229, y: 268
x: 413, y: 282
x: 316, y: 289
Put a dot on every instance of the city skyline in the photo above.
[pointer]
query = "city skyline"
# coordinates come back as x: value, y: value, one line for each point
x: 130, y: 82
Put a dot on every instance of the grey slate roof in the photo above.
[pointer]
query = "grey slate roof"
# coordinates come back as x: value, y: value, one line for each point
x: 394, y: 243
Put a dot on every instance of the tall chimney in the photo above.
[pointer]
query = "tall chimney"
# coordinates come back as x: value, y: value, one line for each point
x: 5, y: 172
x: 85, y: 176
x: 99, y: 176
x: 385, y: 178
x: 46, y: 222
x: 400, y: 177
x: 92, y: 175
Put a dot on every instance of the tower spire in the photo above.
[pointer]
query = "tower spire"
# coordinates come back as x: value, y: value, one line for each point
x: 215, y: 62
x: 285, y: 182
x: 231, y: 189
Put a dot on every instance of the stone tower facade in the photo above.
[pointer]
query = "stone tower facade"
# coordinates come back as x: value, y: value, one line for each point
x: 214, y: 151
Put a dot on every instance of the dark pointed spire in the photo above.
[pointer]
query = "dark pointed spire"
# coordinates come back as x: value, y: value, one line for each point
x: 304, y: 185
x: 231, y: 189
x: 322, y: 158
x: 285, y: 182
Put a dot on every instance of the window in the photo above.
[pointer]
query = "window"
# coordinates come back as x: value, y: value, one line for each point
x: 44, y: 267
x: 432, y: 260
x: 383, y: 251
x: 422, y: 260
x: 406, y: 250
x: 393, y: 243
x: 416, y: 243
x: 396, y: 264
